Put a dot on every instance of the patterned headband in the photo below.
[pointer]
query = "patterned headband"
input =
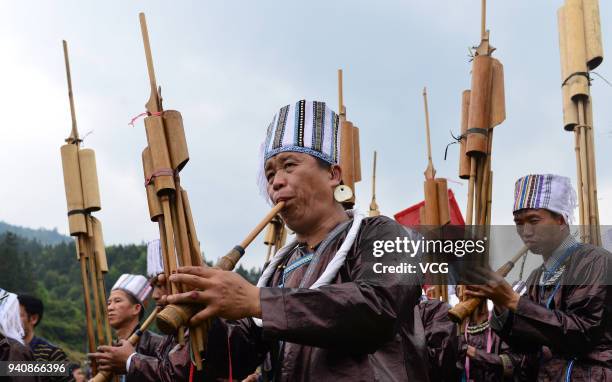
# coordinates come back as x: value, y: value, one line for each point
x: 549, y: 191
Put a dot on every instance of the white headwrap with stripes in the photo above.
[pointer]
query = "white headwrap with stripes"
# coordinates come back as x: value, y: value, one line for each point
x: 137, y: 285
x: 308, y: 127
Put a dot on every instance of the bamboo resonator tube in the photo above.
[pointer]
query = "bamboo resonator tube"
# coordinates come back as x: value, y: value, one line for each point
x: 104, y: 376
x: 173, y: 317
x: 464, y: 309
x: 82, y: 199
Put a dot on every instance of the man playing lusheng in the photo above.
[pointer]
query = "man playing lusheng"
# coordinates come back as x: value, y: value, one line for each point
x: 125, y: 311
x: 318, y: 312
x: 565, y: 318
x: 171, y: 361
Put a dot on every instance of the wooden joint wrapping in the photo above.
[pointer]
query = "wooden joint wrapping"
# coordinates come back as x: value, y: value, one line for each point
x: 89, y: 180
x: 155, y: 208
x: 443, y: 202
x: 160, y: 158
x: 464, y: 160
x: 592, y: 33
x: 99, y: 249
x: 73, y: 189
x: 479, y: 117
x: 432, y: 217
x: 175, y: 136
x: 571, y: 24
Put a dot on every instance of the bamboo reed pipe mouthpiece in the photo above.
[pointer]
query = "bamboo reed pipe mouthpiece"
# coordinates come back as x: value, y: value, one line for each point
x: 464, y: 309
x: 173, y: 317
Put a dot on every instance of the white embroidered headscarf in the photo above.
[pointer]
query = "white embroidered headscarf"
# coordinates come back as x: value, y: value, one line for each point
x: 10, y: 320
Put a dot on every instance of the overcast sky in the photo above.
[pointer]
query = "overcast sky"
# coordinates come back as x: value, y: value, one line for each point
x: 229, y: 65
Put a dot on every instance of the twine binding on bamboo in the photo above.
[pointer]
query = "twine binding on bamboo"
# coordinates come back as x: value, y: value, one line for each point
x: 160, y: 172
x: 585, y: 74
x: 455, y: 141
x: 144, y: 114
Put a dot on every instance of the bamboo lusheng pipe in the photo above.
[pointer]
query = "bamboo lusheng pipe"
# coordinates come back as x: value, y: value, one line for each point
x: 581, y: 51
x: 464, y: 160
x: 430, y: 172
x: 82, y: 196
x: 104, y: 376
x: 374, y: 211
x: 173, y: 317
x: 596, y: 228
x: 90, y: 328
x: 275, y: 236
x: 168, y: 151
x: 341, y: 110
x: 462, y: 310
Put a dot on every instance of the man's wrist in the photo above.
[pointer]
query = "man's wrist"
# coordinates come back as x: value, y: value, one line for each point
x: 256, y: 306
x: 128, y: 362
x: 513, y: 303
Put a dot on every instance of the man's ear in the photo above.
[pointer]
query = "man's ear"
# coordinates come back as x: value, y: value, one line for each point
x: 34, y: 319
x: 336, y: 175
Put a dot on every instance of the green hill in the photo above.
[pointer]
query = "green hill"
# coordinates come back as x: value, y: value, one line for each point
x: 42, y: 235
x: 52, y: 273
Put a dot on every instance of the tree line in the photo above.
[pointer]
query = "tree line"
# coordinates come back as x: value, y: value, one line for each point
x: 52, y: 273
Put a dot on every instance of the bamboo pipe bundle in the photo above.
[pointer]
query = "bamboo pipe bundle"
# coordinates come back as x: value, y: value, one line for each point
x: 581, y: 51
x: 173, y: 317
x: 491, y: 109
x: 436, y: 212
x: 83, y: 198
x: 485, y: 110
x: 165, y: 156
